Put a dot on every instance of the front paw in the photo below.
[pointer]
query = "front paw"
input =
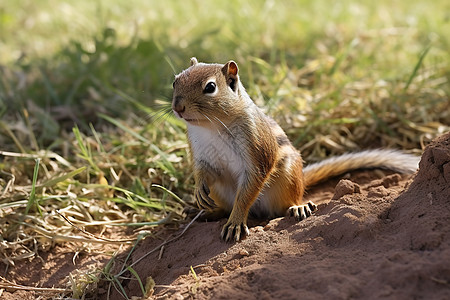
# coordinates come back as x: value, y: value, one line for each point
x: 234, y: 231
x: 301, y: 212
x: 202, y: 198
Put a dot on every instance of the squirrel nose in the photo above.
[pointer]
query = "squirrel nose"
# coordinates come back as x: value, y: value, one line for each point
x: 177, y: 106
x: 180, y: 109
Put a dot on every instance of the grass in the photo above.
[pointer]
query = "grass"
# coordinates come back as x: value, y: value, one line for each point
x: 84, y: 92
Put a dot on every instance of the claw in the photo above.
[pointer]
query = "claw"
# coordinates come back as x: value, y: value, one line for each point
x: 222, y: 233
x: 205, y: 189
x: 230, y: 233
x: 202, y: 198
x: 312, y: 206
x: 301, y: 212
x: 233, y: 232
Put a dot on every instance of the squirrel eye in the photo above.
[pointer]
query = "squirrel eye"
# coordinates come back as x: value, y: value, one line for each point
x: 210, y: 88
x: 173, y: 84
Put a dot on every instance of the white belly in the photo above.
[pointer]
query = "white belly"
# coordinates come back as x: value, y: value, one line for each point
x: 218, y: 151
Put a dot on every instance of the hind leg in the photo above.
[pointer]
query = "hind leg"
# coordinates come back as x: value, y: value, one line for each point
x: 303, y: 211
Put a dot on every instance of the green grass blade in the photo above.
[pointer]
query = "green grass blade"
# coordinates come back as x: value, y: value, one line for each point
x: 135, y: 102
x: 121, y: 289
x: 164, y: 163
x: 125, y: 128
x: 76, y: 132
x: 170, y: 193
x: 32, y: 200
x: 85, y: 152
x: 166, y: 57
x: 57, y: 180
x: 145, y: 202
x: 135, y: 274
x: 194, y: 274
x: 417, y: 67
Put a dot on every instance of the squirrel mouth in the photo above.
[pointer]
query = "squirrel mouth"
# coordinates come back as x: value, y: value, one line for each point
x: 180, y: 116
x: 194, y: 121
x: 197, y: 121
x: 189, y: 120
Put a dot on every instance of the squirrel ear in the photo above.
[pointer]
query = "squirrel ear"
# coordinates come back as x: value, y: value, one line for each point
x: 230, y: 69
x: 194, y: 61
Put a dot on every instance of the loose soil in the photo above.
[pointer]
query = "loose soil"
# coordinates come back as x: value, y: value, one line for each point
x: 376, y: 235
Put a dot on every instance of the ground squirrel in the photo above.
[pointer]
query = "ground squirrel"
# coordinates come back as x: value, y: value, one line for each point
x: 243, y: 161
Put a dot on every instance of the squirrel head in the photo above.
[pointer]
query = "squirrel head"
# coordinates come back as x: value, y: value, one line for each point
x: 207, y: 94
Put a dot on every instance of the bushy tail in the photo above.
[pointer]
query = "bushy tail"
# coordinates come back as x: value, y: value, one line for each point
x: 386, y: 159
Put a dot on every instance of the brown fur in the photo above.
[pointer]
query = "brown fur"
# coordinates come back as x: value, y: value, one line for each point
x: 243, y: 161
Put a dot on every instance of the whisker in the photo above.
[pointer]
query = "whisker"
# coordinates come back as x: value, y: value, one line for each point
x: 225, y: 126
x: 200, y: 108
x: 209, y: 119
x: 160, y: 114
x: 167, y: 114
x: 206, y: 117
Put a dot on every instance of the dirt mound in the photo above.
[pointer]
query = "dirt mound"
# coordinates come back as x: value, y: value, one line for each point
x: 375, y: 235
x: 370, y: 241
